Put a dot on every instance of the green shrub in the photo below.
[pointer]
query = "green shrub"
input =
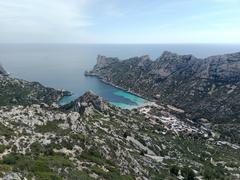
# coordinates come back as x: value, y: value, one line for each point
x: 67, y: 144
x: 36, y: 148
x: 94, y: 156
x: 213, y: 172
x: 5, y: 131
x: 5, y: 168
x: 10, y: 159
x: 174, y: 170
x: 79, y: 175
x: 52, y: 126
x: 24, y: 163
x: 2, y: 148
x: 112, y: 174
x: 80, y: 137
x: 58, y: 161
x: 40, y: 165
x: 47, y: 176
x: 188, y: 173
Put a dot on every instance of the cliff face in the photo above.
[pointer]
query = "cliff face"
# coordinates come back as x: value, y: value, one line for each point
x: 87, y: 103
x: 103, y: 61
x: 225, y: 68
x: 205, y: 88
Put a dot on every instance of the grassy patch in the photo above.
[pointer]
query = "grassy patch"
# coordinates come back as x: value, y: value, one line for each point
x: 42, y: 167
x: 2, y: 148
x: 79, y: 175
x: 95, y: 157
x: 52, y: 127
x: 111, y: 174
x: 5, y: 168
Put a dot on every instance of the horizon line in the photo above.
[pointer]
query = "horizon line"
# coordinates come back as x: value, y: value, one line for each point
x: 172, y: 43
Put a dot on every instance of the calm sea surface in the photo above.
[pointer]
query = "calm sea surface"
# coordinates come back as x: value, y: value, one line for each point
x: 62, y: 66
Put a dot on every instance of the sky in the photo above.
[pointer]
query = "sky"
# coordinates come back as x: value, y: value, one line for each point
x: 120, y: 21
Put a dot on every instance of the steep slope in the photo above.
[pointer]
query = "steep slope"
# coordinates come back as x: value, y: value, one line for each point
x: 91, y: 139
x: 19, y: 92
x: 51, y: 144
x: 205, y: 88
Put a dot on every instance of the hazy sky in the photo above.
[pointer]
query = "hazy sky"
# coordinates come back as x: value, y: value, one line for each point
x: 120, y: 21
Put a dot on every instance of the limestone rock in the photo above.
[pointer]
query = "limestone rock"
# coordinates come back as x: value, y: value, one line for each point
x: 103, y: 61
x: 204, y: 88
x: 87, y: 103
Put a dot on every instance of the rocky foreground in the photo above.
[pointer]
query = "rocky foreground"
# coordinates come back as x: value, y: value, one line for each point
x: 91, y: 139
x: 208, y: 90
x: 98, y: 141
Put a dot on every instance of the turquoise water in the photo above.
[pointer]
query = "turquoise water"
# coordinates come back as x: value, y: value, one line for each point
x: 62, y: 66
x: 133, y: 101
x: 137, y: 100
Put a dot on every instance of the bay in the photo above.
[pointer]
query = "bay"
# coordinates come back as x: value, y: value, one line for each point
x: 62, y: 66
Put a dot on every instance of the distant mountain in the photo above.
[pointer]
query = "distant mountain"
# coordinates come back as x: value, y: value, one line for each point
x: 205, y: 88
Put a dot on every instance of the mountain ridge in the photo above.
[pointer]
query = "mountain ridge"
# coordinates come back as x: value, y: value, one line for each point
x: 206, y: 88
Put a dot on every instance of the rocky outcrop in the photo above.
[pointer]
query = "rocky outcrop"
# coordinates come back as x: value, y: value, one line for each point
x: 103, y: 61
x: 87, y: 103
x: 170, y: 63
x: 225, y: 68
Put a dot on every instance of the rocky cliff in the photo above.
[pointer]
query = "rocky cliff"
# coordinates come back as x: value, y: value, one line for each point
x: 87, y: 103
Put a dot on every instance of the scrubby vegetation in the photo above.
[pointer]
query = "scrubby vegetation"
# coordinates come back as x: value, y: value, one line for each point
x: 20, y: 92
x: 99, y: 141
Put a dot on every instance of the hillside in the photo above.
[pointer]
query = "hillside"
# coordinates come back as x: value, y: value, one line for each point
x: 117, y: 144
x: 15, y: 91
x: 206, y: 89
x: 91, y: 139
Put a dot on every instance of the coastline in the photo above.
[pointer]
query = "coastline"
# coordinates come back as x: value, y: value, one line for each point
x: 148, y: 101
x: 116, y: 86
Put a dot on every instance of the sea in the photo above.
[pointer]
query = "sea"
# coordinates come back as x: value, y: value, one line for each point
x: 62, y: 66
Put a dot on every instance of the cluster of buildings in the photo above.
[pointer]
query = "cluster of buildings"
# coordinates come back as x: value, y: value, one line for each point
x: 173, y: 124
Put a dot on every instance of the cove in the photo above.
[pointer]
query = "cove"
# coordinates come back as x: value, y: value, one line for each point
x: 113, y: 95
x: 62, y: 66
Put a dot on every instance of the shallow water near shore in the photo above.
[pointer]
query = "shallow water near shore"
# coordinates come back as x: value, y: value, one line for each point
x: 125, y: 100
x: 62, y: 66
